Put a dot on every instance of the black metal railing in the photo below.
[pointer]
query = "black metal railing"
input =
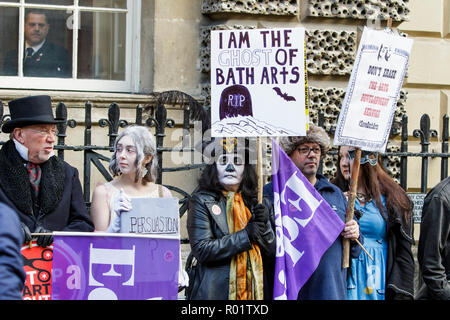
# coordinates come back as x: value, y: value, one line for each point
x: 424, y: 133
x: 154, y: 115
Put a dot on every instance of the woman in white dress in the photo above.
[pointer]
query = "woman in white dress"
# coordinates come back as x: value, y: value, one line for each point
x: 133, y: 166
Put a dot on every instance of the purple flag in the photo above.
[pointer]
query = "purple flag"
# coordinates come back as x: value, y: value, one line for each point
x: 306, y: 226
x: 114, y: 267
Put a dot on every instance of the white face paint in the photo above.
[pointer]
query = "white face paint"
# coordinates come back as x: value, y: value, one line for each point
x: 230, y: 169
x: 126, y: 155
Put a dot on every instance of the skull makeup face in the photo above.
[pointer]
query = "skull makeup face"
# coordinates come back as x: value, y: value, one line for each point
x: 230, y: 169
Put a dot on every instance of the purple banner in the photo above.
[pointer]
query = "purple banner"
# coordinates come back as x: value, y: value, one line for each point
x: 306, y: 226
x: 114, y: 267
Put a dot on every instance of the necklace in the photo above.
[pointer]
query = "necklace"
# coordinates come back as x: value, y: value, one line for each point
x: 362, y: 197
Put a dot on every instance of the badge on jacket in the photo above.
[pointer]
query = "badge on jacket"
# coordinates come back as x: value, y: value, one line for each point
x: 216, y: 210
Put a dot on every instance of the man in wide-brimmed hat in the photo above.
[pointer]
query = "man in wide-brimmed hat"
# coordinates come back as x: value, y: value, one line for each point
x: 44, y: 190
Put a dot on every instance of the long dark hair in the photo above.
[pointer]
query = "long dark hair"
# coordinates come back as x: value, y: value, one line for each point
x: 376, y: 181
x: 248, y: 188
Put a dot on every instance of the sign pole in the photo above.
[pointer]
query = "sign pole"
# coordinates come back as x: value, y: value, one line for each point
x: 351, y: 206
x: 259, y: 169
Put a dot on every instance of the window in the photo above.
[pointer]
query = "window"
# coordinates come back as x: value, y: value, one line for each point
x: 69, y: 44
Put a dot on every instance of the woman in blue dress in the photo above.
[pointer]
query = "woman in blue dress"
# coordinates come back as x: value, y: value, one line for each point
x: 384, y: 211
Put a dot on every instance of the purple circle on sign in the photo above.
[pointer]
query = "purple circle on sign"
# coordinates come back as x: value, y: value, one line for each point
x: 168, y: 256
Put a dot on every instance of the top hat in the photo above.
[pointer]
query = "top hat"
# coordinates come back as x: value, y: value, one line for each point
x: 28, y: 111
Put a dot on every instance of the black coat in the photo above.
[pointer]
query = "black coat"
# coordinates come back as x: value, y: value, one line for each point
x: 12, y: 274
x: 49, y: 61
x: 214, y: 247
x: 400, y: 259
x: 60, y: 206
x: 434, y: 243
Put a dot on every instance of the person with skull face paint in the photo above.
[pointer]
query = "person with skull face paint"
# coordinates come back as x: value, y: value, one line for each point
x: 384, y: 211
x: 231, y: 235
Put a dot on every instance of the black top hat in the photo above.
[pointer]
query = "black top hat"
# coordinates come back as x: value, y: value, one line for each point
x: 28, y: 111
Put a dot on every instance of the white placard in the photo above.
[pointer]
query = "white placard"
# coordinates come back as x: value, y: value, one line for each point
x: 370, y: 101
x: 258, y: 82
x: 151, y: 216
x: 418, y: 199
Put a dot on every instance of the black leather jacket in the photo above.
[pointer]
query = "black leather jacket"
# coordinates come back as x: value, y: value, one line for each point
x: 400, y: 259
x: 434, y: 243
x: 213, y: 247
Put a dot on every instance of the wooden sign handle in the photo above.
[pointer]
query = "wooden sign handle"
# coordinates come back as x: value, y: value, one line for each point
x: 351, y: 206
x: 259, y: 169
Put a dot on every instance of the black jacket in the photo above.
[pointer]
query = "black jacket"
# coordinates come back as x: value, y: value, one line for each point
x: 213, y: 247
x: 49, y: 61
x: 434, y: 243
x: 400, y: 259
x: 60, y: 206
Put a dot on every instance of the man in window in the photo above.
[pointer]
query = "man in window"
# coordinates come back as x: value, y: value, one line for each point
x: 41, y: 57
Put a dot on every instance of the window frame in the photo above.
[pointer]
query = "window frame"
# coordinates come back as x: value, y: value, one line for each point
x: 132, y: 53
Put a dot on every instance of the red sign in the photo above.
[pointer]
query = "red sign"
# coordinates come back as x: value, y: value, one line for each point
x: 37, y: 262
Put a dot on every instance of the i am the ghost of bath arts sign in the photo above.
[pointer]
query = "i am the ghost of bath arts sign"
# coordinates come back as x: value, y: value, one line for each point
x: 257, y: 82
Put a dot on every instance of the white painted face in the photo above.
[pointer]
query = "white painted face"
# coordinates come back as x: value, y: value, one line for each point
x: 230, y: 169
x: 126, y: 155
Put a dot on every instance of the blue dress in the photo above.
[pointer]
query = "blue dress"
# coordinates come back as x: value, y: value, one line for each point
x: 367, y: 279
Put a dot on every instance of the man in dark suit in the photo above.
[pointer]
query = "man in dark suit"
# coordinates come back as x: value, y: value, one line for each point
x: 44, y: 190
x: 41, y: 57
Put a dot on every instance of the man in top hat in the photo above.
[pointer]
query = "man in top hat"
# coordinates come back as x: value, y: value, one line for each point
x: 42, y: 58
x: 44, y: 190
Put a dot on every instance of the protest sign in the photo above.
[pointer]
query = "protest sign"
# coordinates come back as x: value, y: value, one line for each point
x: 370, y: 101
x: 417, y: 199
x: 37, y: 263
x: 257, y: 82
x: 105, y: 266
x: 151, y: 216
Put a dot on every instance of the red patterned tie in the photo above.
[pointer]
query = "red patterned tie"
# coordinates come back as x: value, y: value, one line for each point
x: 34, y: 173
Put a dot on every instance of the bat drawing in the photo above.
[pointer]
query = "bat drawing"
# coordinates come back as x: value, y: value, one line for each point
x: 285, y: 96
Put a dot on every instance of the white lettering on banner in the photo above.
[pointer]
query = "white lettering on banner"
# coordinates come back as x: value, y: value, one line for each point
x: 31, y: 274
x: 111, y: 257
x: 278, y: 224
x: 102, y: 294
x: 284, y: 243
x: 296, y: 185
x: 291, y: 227
x: 74, y: 280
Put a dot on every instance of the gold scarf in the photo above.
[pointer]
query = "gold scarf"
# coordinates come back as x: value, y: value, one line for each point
x: 246, y: 269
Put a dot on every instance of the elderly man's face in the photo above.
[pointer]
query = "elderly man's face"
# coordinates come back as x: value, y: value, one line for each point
x: 307, y: 158
x: 36, y: 28
x: 39, y: 139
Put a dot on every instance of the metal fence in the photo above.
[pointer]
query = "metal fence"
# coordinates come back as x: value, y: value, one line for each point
x: 154, y: 115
